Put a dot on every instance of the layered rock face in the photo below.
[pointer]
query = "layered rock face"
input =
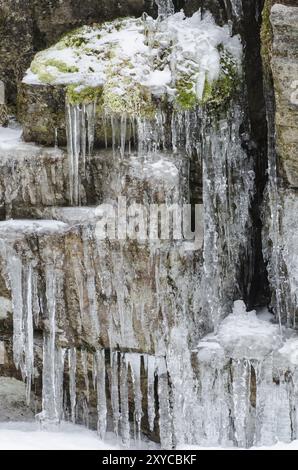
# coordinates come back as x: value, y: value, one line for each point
x: 284, y: 65
x: 281, y: 72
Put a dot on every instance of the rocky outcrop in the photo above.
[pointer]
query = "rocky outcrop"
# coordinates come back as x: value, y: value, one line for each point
x: 280, y: 58
x: 29, y: 26
x: 109, y: 330
x: 284, y: 66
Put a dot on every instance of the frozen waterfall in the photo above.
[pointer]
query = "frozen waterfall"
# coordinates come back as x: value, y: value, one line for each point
x: 132, y: 336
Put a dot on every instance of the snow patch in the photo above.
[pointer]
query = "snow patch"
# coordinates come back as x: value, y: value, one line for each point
x: 159, y: 55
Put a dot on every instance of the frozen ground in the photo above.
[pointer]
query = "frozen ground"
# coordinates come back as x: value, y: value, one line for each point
x: 29, y: 436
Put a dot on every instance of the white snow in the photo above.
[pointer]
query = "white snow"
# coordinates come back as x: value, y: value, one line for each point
x: 242, y: 335
x: 23, y: 226
x: 246, y: 335
x: 278, y: 446
x: 9, y: 136
x: 29, y: 436
x: 289, y: 351
x: 153, y: 53
x: 12, y: 145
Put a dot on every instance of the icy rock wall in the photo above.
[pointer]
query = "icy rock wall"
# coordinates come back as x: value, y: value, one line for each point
x: 111, y: 326
x: 279, y: 241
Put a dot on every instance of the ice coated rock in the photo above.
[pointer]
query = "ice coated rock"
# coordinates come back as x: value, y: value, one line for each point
x: 105, y: 330
x: 248, y: 357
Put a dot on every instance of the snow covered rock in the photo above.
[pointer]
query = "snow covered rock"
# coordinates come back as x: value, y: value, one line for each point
x: 127, y: 67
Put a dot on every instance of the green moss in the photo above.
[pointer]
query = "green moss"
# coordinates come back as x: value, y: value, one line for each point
x: 186, y: 97
x: 72, y: 39
x: 219, y: 93
x: 85, y: 95
x: 215, y: 94
x: 39, y: 68
x: 208, y: 91
x: 135, y: 100
x: 61, y: 66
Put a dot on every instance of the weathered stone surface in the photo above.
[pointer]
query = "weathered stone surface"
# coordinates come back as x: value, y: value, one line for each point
x: 41, y: 111
x: 3, y: 115
x: 282, y: 262
x: 127, y: 292
x: 13, y: 405
x: 284, y: 65
x: 33, y: 178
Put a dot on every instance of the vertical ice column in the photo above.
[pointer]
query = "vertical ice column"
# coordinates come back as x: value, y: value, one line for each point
x: 80, y: 129
x: 165, y: 418
x: 72, y: 367
x: 84, y: 362
x: 22, y: 299
x: 28, y: 327
x: 115, y: 391
x: 53, y: 356
x: 273, y: 413
x: 124, y: 420
x: 100, y: 369
x: 90, y: 280
x: 184, y: 401
x: 51, y: 399
x: 134, y: 360
x: 228, y: 185
x: 151, y: 370
x: 241, y: 371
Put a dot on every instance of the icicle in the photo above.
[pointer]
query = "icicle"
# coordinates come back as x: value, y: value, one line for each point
x: 83, y: 133
x: 135, y: 365
x: 91, y: 117
x: 72, y: 366
x: 90, y: 284
x: 165, y: 7
x: 80, y: 129
x: 241, y: 396
x: 84, y: 361
x: 113, y: 134
x: 124, y: 420
x: 151, y: 369
x: 165, y: 420
x: 29, y: 353
x: 22, y: 300
x: 123, y: 129
x: 59, y: 366
x: 101, y: 393
x: 15, y: 275
x: 115, y: 391
x: 56, y: 138
x: 50, y: 405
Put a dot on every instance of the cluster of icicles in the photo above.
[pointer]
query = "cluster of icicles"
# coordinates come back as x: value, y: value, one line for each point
x: 58, y: 362
x: 230, y: 402
x: 129, y: 135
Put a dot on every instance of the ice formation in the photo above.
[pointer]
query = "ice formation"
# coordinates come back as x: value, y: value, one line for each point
x: 156, y: 87
x: 248, y: 357
x: 131, y: 59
